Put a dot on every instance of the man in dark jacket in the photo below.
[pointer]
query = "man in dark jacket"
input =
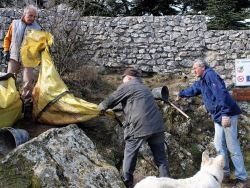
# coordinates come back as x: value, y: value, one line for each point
x: 224, y: 112
x: 144, y: 122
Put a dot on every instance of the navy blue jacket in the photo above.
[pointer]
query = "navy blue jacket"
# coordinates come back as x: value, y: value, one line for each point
x: 215, y: 96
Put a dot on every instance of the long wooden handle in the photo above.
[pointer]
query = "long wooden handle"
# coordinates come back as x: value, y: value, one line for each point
x: 183, y: 113
x: 118, y: 121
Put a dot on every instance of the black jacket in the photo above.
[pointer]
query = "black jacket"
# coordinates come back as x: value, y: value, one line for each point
x: 141, y: 112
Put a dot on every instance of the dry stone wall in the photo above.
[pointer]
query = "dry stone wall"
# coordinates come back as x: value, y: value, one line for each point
x: 164, y: 45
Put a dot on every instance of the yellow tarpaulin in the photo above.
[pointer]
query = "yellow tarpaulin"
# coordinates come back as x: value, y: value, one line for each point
x: 10, y: 101
x: 52, y: 101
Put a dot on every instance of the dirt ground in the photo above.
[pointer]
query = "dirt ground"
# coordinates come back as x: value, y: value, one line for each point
x: 231, y: 185
x: 35, y: 129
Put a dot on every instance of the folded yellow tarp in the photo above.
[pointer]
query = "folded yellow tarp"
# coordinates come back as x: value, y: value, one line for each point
x: 10, y: 101
x: 52, y: 101
x: 33, y: 44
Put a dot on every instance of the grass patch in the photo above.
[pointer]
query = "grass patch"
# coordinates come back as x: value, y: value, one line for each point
x: 247, y: 161
x: 196, y: 153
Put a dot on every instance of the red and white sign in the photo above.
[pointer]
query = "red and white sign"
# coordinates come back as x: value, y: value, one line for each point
x: 242, y: 70
x: 240, y: 78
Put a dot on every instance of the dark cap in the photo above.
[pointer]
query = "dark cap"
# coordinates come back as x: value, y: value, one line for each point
x: 132, y: 72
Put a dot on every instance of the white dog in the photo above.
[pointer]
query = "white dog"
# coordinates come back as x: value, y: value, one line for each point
x: 209, y: 176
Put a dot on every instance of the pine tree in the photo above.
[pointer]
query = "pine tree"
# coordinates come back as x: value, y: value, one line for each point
x: 153, y: 7
x: 223, y: 15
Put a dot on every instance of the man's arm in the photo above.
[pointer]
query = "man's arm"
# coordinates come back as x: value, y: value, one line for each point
x: 115, y: 98
x: 7, y: 39
x: 194, y: 90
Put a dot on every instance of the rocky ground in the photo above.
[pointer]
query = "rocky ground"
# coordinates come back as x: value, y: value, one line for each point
x: 37, y: 129
x: 186, y: 139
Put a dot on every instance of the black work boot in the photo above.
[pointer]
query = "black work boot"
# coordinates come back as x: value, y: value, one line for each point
x: 128, y: 183
x: 228, y: 180
x: 240, y: 184
x: 28, y: 110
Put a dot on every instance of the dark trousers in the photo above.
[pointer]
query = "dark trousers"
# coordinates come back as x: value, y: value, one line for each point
x: 132, y: 146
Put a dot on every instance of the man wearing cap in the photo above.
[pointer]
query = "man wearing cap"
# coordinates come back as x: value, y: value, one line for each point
x: 143, y: 123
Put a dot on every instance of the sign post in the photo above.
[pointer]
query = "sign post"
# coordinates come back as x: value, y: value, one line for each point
x: 242, y: 70
x: 242, y: 78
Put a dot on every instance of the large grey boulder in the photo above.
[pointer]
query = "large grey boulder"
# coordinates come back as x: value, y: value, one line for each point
x: 59, y: 157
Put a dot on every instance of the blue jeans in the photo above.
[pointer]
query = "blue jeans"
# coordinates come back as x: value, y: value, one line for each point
x: 225, y: 139
x: 132, y: 146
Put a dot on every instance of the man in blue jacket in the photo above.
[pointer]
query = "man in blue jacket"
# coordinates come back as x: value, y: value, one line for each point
x: 224, y: 112
x: 144, y: 123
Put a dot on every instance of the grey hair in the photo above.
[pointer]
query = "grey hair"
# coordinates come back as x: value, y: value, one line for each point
x: 201, y: 62
x: 30, y: 8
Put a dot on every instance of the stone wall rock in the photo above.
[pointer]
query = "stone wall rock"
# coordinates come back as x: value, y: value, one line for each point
x: 59, y: 157
x: 163, y: 45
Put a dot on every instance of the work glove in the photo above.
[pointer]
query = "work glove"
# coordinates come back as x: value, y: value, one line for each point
x: 6, y: 56
x: 226, y: 121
